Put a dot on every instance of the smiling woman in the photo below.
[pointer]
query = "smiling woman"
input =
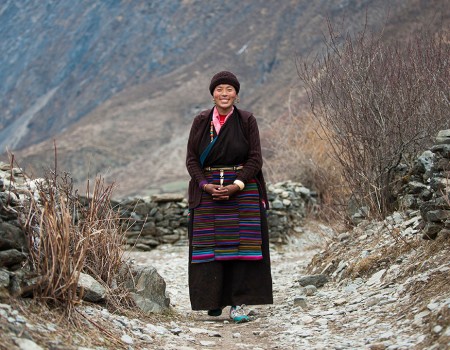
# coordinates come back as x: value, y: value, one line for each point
x: 229, y: 263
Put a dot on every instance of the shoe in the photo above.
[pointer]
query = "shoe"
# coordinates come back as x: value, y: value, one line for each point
x: 238, y: 315
x: 215, y: 312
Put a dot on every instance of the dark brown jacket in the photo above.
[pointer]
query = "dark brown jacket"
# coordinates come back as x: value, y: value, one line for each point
x: 252, y: 166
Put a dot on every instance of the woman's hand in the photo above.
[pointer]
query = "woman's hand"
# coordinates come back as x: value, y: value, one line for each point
x: 221, y: 193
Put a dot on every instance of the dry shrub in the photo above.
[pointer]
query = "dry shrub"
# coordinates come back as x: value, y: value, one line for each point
x: 375, y: 100
x: 68, y: 235
x: 300, y: 152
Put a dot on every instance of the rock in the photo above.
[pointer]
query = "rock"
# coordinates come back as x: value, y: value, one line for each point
x: 438, y: 215
x: 310, y: 290
x: 167, y: 197
x: 26, y: 344
x: 12, y: 236
x: 443, y: 150
x: 170, y: 238
x: 148, y: 288
x: 277, y: 204
x: 300, y: 301
x: 207, y: 343
x: 340, y: 301
x: 437, y: 329
x: 376, y: 277
x: 149, y: 229
x: 315, y: 280
x: 11, y: 257
x: 4, y: 278
x: 431, y: 231
x: 92, y: 290
x: 127, y: 339
x: 443, y: 137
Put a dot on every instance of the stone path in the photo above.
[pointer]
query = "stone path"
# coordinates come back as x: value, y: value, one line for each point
x: 371, y: 313
x: 354, y: 314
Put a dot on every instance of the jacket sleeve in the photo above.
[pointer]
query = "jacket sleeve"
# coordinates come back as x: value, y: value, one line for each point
x: 254, y: 162
x: 192, y: 157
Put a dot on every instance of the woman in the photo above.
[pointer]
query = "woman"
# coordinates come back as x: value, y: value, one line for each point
x: 229, y: 261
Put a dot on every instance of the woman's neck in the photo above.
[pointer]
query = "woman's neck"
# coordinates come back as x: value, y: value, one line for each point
x: 224, y: 111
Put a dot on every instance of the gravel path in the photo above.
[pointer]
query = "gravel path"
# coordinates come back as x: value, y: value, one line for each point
x: 354, y: 314
x: 403, y: 305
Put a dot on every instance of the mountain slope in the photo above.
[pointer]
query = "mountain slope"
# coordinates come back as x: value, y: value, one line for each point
x: 117, y: 84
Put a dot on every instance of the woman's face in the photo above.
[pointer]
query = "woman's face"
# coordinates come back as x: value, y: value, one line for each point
x: 224, y: 96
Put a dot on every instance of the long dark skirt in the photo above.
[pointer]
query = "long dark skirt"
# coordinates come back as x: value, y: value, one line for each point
x: 236, y: 282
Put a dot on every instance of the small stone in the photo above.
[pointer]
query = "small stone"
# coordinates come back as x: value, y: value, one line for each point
x: 11, y: 257
x: 236, y: 335
x: 51, y: 327
x: 175, y: 331
x: 443, y: 137
x: 340, y: 301
x: 372, y: 301
x: 198, y: 330
x: 437, y: 329
x: 26, y: 344
x: 432, y: 306
x: 310, y: 290
x: 127, y: 339
x: 207, y: 343
x: 418, y: 318
x: 93, y: 290
x: 315, y: 280
x: 277, y: 204
x: 376, y: 278
x: 286, y: 202
x: 214, y: 334
x: 6, y: 307
x: 300, y: 301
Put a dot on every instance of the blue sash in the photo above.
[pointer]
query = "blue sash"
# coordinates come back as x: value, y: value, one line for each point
x: 207, y: 150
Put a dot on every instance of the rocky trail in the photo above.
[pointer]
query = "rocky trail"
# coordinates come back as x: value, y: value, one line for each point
x: 380, y: 311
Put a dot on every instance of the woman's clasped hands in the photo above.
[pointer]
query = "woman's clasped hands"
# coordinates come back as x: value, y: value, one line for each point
x: 221, y: 193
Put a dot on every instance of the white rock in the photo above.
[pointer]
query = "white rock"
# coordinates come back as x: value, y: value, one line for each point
x: 376, y: 278
x: 432, y: 306
x: 437, y: 329
x: 26, y: 344
x: 340, y: 301
x: 207, y: 343
x: 198, y: 330
x: 126, y: 339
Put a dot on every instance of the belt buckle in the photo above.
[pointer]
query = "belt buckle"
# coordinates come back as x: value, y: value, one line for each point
x: 221, y: 177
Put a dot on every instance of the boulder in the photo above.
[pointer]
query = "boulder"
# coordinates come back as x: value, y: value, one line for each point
x: 11, y: 257
x: 314, y: 280
x: 92, y: 290
x: 11, y: 236
x: 443, y: 137
x: 148, y: 288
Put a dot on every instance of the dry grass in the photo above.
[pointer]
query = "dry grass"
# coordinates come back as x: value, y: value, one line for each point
x: 68, y: 235
x: 374, y: 99
x: 298, y: 151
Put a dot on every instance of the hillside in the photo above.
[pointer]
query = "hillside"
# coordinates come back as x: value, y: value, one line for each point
x: 116, y: 84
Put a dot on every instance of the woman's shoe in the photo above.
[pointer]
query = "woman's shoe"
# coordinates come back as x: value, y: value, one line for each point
x: 215, y: 312
x: 238, y: 315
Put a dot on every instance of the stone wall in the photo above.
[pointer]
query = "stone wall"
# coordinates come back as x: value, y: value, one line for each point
x: 13, y: 246
x: 426, y: 187
x: 164, y: 218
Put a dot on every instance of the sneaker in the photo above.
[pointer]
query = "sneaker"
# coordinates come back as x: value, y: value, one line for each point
x: 238, y: 315
x: 215, y: 312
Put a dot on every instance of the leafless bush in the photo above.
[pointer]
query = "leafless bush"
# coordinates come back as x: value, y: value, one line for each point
x: 379, y: 104
x: 300, y: 152
x: 68, y: 235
